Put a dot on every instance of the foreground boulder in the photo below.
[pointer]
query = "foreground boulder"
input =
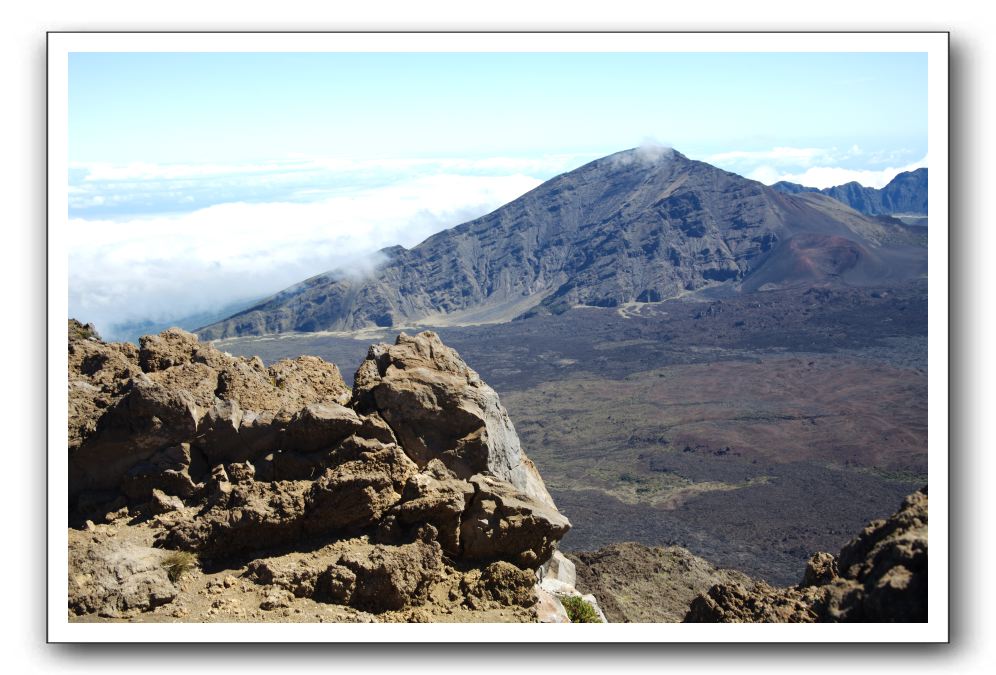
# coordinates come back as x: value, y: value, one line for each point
x: 881, y: 575
x: 227, y: 459
x: 115, y: 579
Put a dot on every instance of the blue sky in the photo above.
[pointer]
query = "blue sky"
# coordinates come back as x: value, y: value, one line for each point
x: 244, y: 173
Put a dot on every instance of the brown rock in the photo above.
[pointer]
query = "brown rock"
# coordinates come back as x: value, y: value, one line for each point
x: 357, y: 493
x: 242, y: 517
x: 320, y: 426
x: 150, y: 417
x: 310, y: 379
x: 164, y: 503
x: 503, y: 523
x: 393, y: 577
x: 172, y: 347
x: 167, y: 470
x: 439, y: 408
x: 821, y: 569
x: 438, y: 497
x: 98, y: 378
x: 501, y: 582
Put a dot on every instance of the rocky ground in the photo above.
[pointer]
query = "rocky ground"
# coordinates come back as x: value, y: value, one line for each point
x: 643, y: 584
x: 880, y: 575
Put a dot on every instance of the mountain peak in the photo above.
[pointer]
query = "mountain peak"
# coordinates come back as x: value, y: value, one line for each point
x: 641, y: 225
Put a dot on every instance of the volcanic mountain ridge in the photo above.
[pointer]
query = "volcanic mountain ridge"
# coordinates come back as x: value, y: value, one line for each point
x: 636, y: 226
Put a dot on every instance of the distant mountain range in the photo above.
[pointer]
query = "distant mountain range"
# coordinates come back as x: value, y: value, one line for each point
x: 636, y: 226
x: 905, y: 194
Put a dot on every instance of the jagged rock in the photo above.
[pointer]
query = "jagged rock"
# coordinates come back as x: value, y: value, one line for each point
x: 167, y: 470
x: 321, y: 426
x: 242, y: 517
x: 337, y: 585
x: 437, y: 497
x: 241, y: 472
x: 115, y: 579
x: 164, y: 503
x: 757, y: 602
x: 198, y: 380
x: 148, y: 418
x: 503, y: 523
x: 393, y: 577
x: 820, y: 569
x: 172, y: 347
x: 356, y: 494
x: 98, y: 378
x: 250, y: 515
x: 300, y: 580
x: 882, y: 577
x: 501, y: 582
x: 440, y: 409
x: 309, y: 378
x: 277, y: 598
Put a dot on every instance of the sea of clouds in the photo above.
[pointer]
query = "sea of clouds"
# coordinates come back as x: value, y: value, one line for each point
x: 171, y: 244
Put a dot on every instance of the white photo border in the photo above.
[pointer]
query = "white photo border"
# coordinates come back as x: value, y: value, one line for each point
x: 933, y: 44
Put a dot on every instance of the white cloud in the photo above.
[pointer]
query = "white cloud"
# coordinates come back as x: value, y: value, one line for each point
x: 829, y: 176
x: 779, y: 156
x: 164, y: 267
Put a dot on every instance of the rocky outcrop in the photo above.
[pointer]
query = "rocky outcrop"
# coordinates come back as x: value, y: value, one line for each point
x: 881, y: 575
x: 439, y: 408
x: 228, y: 459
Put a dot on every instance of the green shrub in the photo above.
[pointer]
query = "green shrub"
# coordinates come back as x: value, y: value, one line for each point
x: 580, y: 610
x: 177, y: 563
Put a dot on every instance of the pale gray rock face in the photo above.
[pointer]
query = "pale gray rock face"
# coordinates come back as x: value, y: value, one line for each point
x: 439, y: 408
x: 117, y: 580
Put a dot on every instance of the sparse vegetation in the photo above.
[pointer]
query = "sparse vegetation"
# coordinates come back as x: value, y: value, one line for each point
x: 580, y: 610
x: 81, y: 331
x: 177, y: 563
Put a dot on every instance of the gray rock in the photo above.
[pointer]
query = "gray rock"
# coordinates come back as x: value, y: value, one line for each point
x: 117, y: 579
x: 164, y: 503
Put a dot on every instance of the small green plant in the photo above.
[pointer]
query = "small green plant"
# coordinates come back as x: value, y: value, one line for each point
x: 178, y: 563
x: 580, y: 610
